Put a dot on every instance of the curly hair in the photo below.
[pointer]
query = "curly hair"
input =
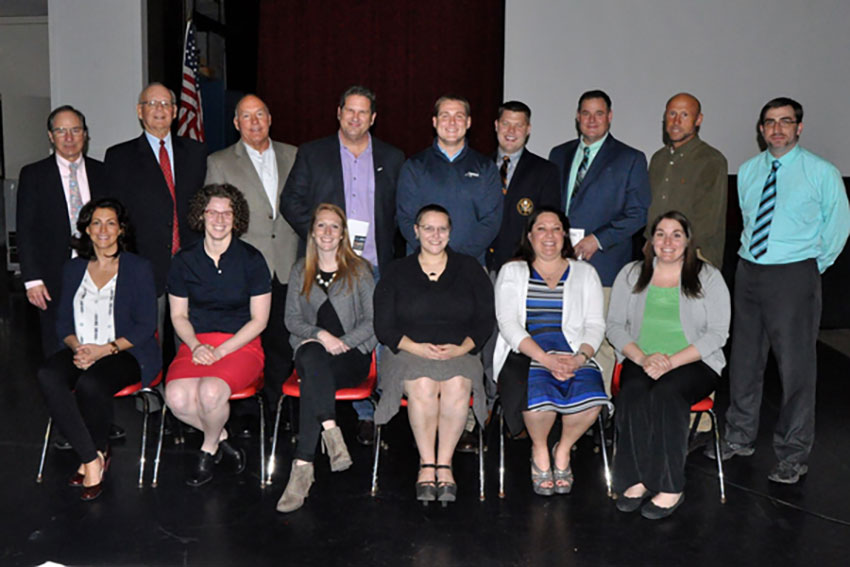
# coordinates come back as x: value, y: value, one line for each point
x: 200, y: 200
x: 83, y: 244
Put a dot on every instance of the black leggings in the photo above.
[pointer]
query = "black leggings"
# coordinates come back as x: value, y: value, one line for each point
x: 322, y: 374
x: 652, y: 424
x: 80, y: 401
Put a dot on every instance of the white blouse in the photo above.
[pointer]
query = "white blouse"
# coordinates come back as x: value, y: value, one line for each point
x: 94, y: 319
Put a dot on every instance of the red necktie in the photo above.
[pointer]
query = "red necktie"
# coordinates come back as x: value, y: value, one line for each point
x: 165, y: 166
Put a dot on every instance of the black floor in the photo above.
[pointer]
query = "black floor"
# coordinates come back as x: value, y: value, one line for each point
x: 233, y: 522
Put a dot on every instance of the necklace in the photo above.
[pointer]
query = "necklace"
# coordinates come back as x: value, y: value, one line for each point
x: 322, y: 282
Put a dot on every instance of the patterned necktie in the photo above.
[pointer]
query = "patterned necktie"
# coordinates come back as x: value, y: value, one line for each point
x: 761, y: 228
x: 165, y: 166
x: 75, y: 200
x: 503, y: 171
x: 582, y: 169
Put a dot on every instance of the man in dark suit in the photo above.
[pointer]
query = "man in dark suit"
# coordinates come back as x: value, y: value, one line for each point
x: 605, y: 193
x: 357, y: 172
x: 528, y: 180
x: 51, y: 193
x: 258, y: 167
x: 155, y: 175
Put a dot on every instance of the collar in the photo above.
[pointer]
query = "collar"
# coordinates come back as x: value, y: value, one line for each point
x: 595, y: 145
x: 784, y: 160
x: 64, y: 163
x: 686, y: 148
x: 500, y: 155
x: 443, y: 153
x: 154, y: 141
x: 255, y: 153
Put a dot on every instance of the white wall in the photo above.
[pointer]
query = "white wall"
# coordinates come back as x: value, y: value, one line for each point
x: 734, y: 55
x: 98, y: 63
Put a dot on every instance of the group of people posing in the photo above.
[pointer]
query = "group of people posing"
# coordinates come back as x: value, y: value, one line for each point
x: 519, y: 271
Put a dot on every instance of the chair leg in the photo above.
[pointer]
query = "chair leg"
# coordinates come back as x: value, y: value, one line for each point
x: 273, y: 455
x: 262, y: 410
x: 375, y: 462
x: 145, y: 413
x: 720, y: 477
x: 155, y: 479
x: 601, y: 423
x: 501, y: 453
x: 481, y: 462
x: 40, y: 476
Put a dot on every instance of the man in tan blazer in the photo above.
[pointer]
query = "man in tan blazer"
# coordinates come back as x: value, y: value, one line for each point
x: 258, y: 167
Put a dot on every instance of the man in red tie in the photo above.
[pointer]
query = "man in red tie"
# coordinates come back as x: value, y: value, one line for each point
x: 155, y: 175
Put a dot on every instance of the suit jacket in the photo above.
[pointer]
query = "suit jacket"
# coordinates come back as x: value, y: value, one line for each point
x: 611, y: 203
x: 272, y: 236
x: 43, y: 228
x: 134, y: 312
x: 534, y: 183
x: 137, y: 181
x: 316, y: 178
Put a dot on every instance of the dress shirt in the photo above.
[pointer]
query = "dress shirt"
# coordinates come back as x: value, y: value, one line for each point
x: 579, y: 155
x: 358, y: 180
x: 154, y: 142
x: 94, y: 321
x: 511, y: 164
x: 448, y: 157
x: 811, y: 218
x: 266, y: 166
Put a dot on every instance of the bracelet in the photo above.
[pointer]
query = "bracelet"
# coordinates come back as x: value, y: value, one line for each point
x: 584, y: 354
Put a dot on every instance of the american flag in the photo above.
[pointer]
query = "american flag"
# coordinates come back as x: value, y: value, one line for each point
x: 190, y: 118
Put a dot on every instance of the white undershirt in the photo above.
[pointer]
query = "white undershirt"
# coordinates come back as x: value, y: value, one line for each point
x: 266, y: 166
x: 94, y: 318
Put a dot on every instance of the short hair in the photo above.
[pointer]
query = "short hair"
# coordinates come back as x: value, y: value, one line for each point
x: 447, y: 97
x: 699, y: 104
x: 587, y: 95
x: 65, y: 108
x: 360, y: 90
x: 526, y: 252
x: 200, y: 200
x: 158, y: 84
x: 779, y: 103
x: 347, y: 261
x: 515, y: 106
x: 236, y: 108
x: 433, y: 208
x: 691, y: 265
x: 83, y: 244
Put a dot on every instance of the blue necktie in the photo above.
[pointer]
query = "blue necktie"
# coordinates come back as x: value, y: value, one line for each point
x: 761, y: 227
x: 582, y: 169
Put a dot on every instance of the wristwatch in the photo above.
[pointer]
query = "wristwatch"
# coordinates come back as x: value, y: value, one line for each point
x: 115, y: 349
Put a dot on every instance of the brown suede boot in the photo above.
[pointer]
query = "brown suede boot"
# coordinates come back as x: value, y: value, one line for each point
x: 334, y: 444
x: 300, y: 481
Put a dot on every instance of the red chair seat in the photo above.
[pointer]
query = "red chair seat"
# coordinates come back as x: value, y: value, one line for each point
x: 250, y: 391
x: 703, y: 405
x: 133, y: 388
x: 362, y: 391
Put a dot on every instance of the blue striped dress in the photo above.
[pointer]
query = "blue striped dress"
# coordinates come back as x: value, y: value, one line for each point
x: 544, y: 308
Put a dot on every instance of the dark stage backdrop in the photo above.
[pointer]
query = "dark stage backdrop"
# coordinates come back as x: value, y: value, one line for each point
x: 408, y: 51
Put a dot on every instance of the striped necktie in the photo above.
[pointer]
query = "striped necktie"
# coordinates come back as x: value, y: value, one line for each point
x: 761, y: 228
x: 582, y: 170
x: 75, y: 199
x: 503, y: 171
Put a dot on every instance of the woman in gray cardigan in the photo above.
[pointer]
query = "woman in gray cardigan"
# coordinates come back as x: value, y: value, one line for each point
x: 329, y: 317
x: 668, y: 320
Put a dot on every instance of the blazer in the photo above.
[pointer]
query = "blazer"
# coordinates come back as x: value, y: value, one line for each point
x: 534, y: 183
x: 611, y: 203
x: 316, y: 177
x: 43, y: 227
x: 137, y: 181
x: 270, y: 234
x: 134, y: 310
x: 582, y: 319
x: 705, y: 320
x: 354, y: 309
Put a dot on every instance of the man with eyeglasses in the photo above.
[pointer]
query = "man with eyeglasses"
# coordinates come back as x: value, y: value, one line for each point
x: 796, y: 222
x: 155, y: 175
x: 51, y: 193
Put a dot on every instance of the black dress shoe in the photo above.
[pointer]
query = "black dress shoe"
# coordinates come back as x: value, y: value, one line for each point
x: 234, y: 456
x: 61, y: 443
x: 652, y: 512
x: 89, y: 493
x: 203, y: 471
x: 116, y: 432
x: 627, y: 504
x: 366, y: 432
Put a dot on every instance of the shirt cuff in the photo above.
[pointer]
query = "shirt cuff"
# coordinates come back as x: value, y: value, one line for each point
x: 599, y: 244
x: 33, y: 283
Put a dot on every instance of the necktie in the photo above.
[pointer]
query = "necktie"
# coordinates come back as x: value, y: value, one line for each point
x: 165, y: 166
x: 75, y: 200
x: 582, y: 169
x: 503, y: 171
x: 761, y: 228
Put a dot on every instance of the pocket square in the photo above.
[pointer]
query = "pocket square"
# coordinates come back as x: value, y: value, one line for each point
x: 471, y: 174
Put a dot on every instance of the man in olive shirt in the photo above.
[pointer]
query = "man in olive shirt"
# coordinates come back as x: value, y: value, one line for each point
x: 690, y: 176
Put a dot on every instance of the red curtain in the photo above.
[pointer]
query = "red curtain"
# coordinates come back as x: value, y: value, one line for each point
x: 408, y: 52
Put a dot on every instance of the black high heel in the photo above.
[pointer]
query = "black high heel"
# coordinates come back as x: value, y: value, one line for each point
x: 446, y: 489
x: 426, y: 490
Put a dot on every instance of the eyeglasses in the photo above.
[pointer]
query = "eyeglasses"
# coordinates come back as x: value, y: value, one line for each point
x: 783, y: 122
x: 428, y: 229
x: 75, y: 131
x: 226, y: 215
x: 155, y: 103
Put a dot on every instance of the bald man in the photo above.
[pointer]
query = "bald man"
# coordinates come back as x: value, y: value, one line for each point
x: 690, y: 176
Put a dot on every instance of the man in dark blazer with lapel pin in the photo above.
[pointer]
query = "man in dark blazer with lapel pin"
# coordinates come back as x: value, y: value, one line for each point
x: 605, y: 192
x: 528, y: 180
x: 258, y: 167
x: 155, y: 175
x: 50, y: 195
x: 357, y: 172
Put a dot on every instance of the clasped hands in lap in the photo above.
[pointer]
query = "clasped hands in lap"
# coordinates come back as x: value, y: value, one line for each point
x: 87, y: 354
x: 562, y: 366
x: 656, y: 365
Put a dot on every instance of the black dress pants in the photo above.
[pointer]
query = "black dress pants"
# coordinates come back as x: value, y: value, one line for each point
x: 80, y: 401
x: 652, y: 424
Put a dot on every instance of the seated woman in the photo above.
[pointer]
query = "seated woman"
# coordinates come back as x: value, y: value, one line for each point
x: 434, y: 312
x: 329, y: 318
x: 668, y: 320
x: 549, y: 310
x: 107, y: 316
x: 219, y: 292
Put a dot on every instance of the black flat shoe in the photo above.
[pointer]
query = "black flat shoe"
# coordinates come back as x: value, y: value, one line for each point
x: 116, y: 432
x: 202, y: 473
x: 652, y: 512
x: 627, y: 504
x: 235, y: 456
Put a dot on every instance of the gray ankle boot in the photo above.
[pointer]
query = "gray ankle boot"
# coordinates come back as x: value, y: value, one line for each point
x: 300, y: 481
x: 334, y: 444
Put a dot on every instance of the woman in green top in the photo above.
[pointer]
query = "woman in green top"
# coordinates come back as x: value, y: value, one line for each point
x: 668, y: 320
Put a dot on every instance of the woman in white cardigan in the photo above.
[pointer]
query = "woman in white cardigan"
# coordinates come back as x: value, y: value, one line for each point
x: 549, y: 311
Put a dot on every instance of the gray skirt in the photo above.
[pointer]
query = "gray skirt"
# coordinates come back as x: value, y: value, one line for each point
x: 396, y: 368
